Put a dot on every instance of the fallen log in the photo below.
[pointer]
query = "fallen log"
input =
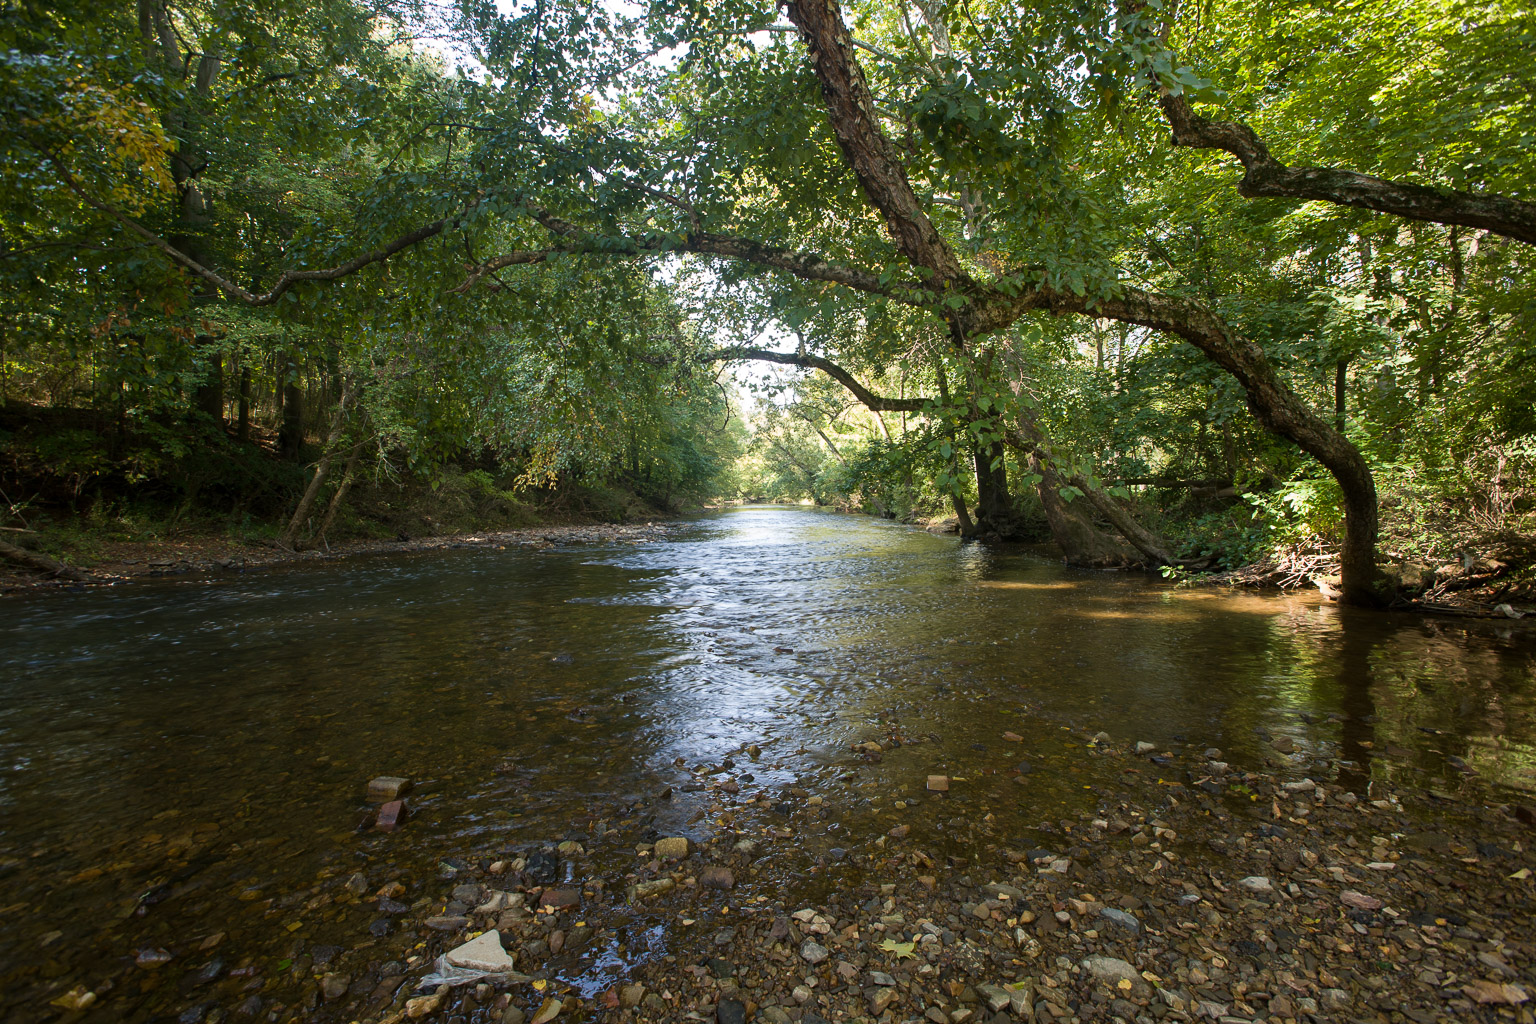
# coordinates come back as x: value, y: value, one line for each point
x: 38, y: 561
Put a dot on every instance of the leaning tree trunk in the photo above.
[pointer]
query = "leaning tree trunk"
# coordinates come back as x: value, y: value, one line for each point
x: 322, y: 470
x: 1030, y: 438
x: 340, y: 495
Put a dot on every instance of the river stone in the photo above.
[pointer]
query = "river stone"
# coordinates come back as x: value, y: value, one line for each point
x: 813, y: 953
x: 645, y: 890
x: 484, y: 953
x: 1000, y: 890
x: 630, y: 995
x: 1143, y: 747
x: 388, y: 787
x: 1256, y: 883
x: 334, y: 986
x: 672, y: 848
x: 1121, y: 918
x: 717, y: 876
x: 731, y: 1011
x: 559, y: 899
x: 1110, y: 971
x: 391, y: 816
x: 448, y: 923
x: 938, y: 783
x: 879, y: 999
x: 1284, y: 744
x: 881, y: 978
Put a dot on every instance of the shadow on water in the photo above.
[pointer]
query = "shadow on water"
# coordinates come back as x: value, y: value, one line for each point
x: 184, y: 761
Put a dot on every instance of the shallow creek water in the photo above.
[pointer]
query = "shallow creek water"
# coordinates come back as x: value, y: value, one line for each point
x: 183, y: 759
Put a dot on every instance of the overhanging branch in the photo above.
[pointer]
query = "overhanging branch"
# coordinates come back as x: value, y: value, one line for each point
x: 872, y: 401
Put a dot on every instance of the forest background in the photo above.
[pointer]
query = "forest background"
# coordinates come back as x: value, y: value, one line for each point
x: 1229, y: 286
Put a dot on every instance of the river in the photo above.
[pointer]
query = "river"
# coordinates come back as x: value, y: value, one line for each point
x: 186, y: 760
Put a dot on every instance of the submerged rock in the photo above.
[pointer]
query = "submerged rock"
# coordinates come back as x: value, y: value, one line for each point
x: 672, y: 848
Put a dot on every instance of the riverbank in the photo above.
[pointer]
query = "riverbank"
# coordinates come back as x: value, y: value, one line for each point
x: 1191, y: 889
x: 124, y: 561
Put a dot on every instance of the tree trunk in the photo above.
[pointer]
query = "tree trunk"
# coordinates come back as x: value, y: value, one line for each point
x: 243, y: 418
x: 340, y: 495
x: 290, y: 436
x: 322, y: 470
x: 39, y: 561
x: 1340, y: 383
x: 1081, y: 542
x: 995, y: 517
x: 208, y: 398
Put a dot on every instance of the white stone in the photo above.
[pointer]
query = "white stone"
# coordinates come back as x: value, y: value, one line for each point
x: 482, y: 954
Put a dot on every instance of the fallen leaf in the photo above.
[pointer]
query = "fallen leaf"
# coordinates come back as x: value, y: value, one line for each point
x: 548, y: 1012
x: 901, y: 949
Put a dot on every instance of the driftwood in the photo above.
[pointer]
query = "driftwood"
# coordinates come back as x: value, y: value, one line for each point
x: 38, y: 561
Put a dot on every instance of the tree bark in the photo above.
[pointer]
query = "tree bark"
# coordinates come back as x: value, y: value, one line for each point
x: 290, y: 435
x: 243, y: 416
x: 1266, y: 177
x: 39, y: 561
x: 345, y: 485
x: 322, y: 470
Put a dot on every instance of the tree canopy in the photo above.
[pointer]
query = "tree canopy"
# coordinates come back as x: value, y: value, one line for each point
x: 1022, y: 231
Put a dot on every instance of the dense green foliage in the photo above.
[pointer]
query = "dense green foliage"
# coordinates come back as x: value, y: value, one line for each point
x: 293, y: 230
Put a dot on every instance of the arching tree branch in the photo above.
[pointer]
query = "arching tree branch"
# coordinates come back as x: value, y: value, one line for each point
x: 1266, y: 177
x: 812, y: 362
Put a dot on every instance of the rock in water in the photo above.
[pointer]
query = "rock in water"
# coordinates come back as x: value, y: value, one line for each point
x: 388, y: 787
x: 1256, y: 883
x: 482, y: 954
x: 391, y: 816
x: 672, y: 848
x: 731, y: 1011
x: 717, y: 876
x: 938, y: 783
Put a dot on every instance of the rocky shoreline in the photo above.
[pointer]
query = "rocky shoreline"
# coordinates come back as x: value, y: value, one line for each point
x: 1190, y: 891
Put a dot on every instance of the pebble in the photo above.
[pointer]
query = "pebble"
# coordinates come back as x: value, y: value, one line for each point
x: 1256, y: 883
x: 812, y: 952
